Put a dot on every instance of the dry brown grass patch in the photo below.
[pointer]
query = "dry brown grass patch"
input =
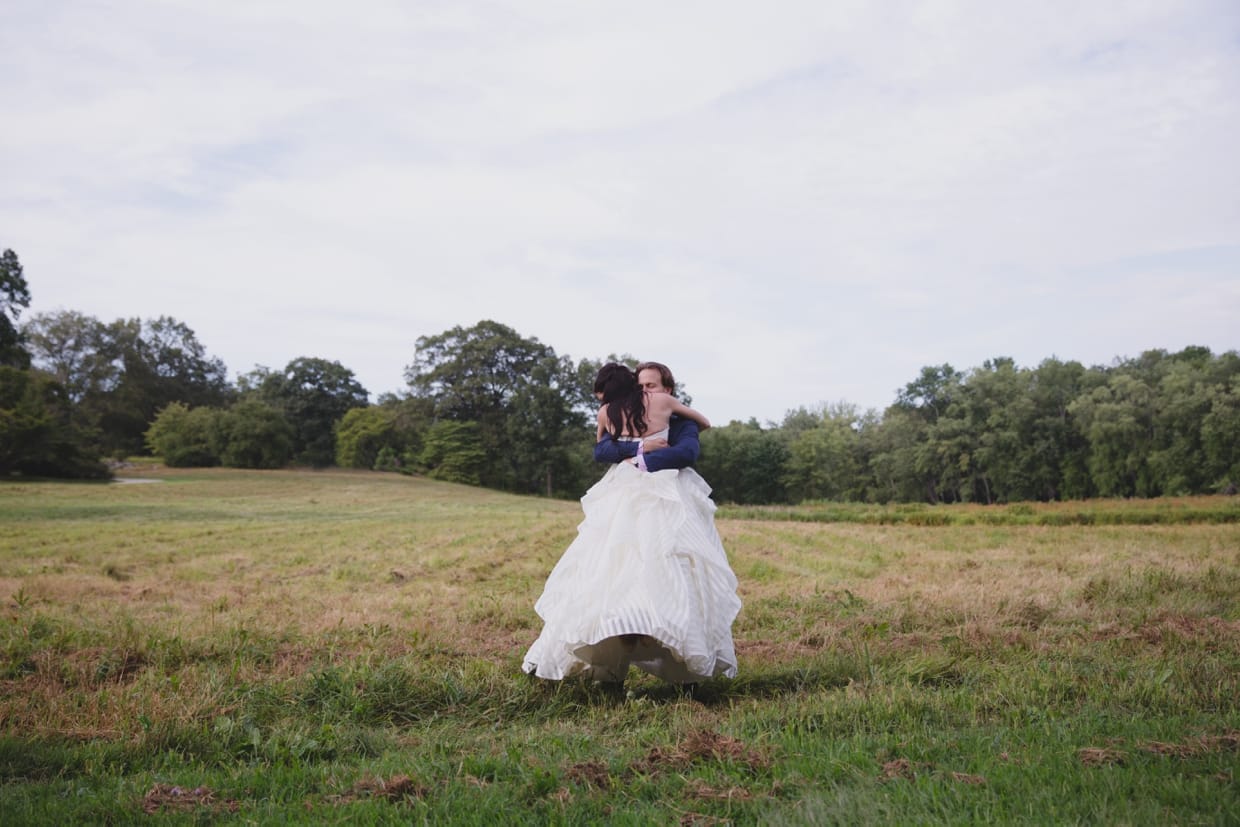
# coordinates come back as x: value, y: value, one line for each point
x: 703, y: 820
x: 398, y: 788
x: 590, y: 774
x: 697, y: 788
x: 167, y: 798
x: 1212, y: 631
x: 89, y: 667
x: 898, y: 768
x: 1201, y: 745
x: 772, y: 651
x: 702, y: 745
x: 965, y: 778
x: 41, y: 704
x: 1101, y: 756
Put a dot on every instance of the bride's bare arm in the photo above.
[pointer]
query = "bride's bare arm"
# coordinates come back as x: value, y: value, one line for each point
x: 684, y: 410
x: 602, y: 425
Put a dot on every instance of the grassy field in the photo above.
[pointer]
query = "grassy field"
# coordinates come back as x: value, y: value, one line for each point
x: 334, y: 647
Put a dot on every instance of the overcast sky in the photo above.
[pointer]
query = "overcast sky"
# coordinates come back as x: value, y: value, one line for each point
x: 790, y: 203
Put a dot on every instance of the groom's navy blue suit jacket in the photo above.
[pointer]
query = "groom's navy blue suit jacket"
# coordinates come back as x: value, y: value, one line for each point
x: 682, y: 449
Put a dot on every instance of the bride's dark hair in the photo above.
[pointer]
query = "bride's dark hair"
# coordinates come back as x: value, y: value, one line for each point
x: 623, y: 398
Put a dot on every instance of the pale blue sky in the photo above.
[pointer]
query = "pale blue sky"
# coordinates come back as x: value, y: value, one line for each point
x: 790, y: 202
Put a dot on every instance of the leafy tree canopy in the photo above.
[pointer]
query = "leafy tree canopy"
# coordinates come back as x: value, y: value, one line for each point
x: 522, y: 402
x: 313, y: 394
x: 14, y: 297
x: 141, y: 368
x: 74, y: 348
x: 472, y: 373
x: 252, y: 434
x: 34, y: 437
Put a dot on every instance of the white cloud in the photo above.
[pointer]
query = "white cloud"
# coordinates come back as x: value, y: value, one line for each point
x: 792, y: 203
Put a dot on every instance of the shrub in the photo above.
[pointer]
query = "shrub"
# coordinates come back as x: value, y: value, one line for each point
x: 184, y: 436
x: 254, y: 435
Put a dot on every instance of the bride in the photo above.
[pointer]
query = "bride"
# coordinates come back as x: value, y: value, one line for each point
x: 646, y: 582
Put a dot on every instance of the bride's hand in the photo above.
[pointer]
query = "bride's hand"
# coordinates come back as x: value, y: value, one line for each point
x: 654, y: 443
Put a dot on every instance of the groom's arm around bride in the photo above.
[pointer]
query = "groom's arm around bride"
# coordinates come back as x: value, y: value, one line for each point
x: 683, y: 447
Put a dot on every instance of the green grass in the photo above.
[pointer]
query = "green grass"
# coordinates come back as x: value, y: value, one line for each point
x: 1164, y: 511
x: 333, y: 647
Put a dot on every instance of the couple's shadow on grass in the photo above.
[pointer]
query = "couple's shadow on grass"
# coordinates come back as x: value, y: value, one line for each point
x: 767, y: 683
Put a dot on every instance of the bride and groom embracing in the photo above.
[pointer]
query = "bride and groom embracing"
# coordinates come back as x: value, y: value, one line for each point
x: 646, y: 582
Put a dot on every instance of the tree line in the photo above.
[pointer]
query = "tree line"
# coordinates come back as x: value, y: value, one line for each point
x: 1158, y: 424
x: 487, y: 406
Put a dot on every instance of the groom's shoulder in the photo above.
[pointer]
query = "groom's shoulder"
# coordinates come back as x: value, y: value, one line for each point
x: 680, y: 423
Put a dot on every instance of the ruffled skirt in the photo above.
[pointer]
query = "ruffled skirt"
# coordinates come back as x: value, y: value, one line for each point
x: 646, y: 583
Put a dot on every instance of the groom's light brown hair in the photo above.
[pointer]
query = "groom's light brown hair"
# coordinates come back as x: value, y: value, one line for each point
x: 665, y: 374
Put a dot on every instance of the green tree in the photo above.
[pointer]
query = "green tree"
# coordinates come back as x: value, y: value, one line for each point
x: 452, y: 451
x: 361, y: 434
x: 945, y: 459
x: 252, y: 434
x: 1183, y: 399
x: 473, y: 373
x: 890, y: 447
x: 1054, y: 460
x: 149, y: 366
x: 744, y: 463
x: 185, y: 437
x: 73, y: 348
x: 540, y: 427
x: 26, y: 417
x: 35, y: 437
x: 524, y: 404
x: 387, y: 436
x: 936, y: 456
x: 1220, y: 437
x: 931, y: 392
x: 1118, y: 421
x: 824, y: 454
x: 989, y: 420
x: 313, y: 395
x: 14, y: 297
x: 118, y: 376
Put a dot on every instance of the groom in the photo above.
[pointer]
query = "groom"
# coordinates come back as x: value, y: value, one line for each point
x: 679, y: 450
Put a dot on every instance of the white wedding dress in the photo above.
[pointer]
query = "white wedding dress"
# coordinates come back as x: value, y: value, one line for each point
x: 646, y: 582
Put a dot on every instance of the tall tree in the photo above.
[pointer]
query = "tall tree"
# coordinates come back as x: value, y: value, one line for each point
x: 521, y: 397
x: 35, y: 437
x: 73, y: 348
x: 1055, y: 457
x: 387, y: 436
x: 184, y: 437
x: 452, y: 451
x: 992, y: 409
x: 473, y: 373
x: 824, y: 454
x: 1118, y: 421
x: 14, y: 297
x: 936, y: 452
x: 541, y: 414
x: 313, y: 394
x: 931, y: 392
x: 890, y: 448
x: 1182, y: 401
x: 151, y: 366
x: 254, y: 435
x: 744, y: 463
x: 1220, y: 437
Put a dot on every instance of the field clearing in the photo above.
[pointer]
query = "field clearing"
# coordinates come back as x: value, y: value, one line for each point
x: 344, y: 647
